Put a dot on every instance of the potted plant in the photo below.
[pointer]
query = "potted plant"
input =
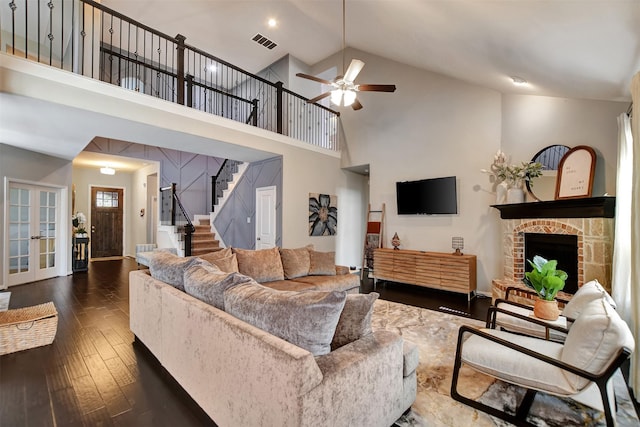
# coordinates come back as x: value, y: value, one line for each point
x: 547, y: 281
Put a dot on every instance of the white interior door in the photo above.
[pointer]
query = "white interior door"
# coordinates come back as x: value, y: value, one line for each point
x: 32, y: 233
x: 265, y: 217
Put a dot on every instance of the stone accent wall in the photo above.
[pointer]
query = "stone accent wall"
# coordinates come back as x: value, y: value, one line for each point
x: 595, y: 248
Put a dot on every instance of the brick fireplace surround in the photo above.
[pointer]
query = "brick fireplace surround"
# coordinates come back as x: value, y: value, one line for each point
x: 591, y: 220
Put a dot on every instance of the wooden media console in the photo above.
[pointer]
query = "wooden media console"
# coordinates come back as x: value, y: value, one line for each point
x: 437, y: 270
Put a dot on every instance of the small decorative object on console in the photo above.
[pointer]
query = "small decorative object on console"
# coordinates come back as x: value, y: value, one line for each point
x: 457, y: 243
x: 395, y: 241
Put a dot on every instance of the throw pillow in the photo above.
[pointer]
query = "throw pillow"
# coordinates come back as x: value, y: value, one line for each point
x: 295, y: 262
x: 355, y: 319
x: 305, y: 319
x: 594, y: 340
x: 322, y: 263
x: 228, y: 264
x: 584, y: 295
x: 207, y: 283
x: 263, y: 265
x: 169, y: 268
x: 222, y: 253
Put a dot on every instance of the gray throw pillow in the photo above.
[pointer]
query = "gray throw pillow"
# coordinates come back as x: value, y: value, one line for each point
x: 169, y: 268
x: 207, y: 283
x: 355, y: 319
x: 305, y: 319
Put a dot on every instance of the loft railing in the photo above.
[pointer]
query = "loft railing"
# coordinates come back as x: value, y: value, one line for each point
x: 88, y: 38
x: 172, y: 212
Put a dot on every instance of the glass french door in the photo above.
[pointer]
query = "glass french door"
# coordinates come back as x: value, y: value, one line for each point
x: 34, y: 214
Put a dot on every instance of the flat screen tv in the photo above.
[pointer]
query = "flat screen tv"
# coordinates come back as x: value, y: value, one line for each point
x: 435, y: 196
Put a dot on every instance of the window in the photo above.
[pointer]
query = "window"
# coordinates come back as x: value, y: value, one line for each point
x: 106, y: 199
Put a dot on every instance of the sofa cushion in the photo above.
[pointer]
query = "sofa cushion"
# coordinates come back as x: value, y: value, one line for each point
x: 305, y: 319
x: 169, y: 268
x: 290, y: 285
x: 594, y: 340
x: 584, y: 295
x: 331, y: 283
x: 263, y: 265
x: 207, y: 283
x: 295, y: 262
x: 355, y: 319
x: 322, y: 263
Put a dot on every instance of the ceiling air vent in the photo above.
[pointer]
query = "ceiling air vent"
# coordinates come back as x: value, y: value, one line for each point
x: 260, y: 39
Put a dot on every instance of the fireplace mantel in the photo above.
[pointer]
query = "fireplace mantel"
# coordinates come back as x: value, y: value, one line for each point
x: 591, y: 207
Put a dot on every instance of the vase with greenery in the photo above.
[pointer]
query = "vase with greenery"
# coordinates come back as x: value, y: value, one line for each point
x: 513, y: 176
x: 547, y: 281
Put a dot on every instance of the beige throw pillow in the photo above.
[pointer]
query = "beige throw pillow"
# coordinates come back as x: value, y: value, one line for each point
x: 263, y: 265
x: 295, y: 262
x: 322, y: 263
x: 222, y: 253
x: 355, y: 319
x: 228, y: 264
x: 306, y: 319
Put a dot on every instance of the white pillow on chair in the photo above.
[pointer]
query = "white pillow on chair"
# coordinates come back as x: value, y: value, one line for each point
x: 584, y: 295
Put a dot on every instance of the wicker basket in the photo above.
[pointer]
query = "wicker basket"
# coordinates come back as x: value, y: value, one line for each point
x: 29, y: 327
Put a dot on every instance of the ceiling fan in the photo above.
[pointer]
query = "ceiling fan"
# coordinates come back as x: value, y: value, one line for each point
x: 343, y: 88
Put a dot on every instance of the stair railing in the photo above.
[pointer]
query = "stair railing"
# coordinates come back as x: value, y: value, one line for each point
x: 88, y: 38
x: 172, y: 212
x: 220, y: 181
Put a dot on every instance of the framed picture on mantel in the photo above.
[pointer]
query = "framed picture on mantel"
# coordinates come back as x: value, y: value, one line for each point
x: 575, y: 173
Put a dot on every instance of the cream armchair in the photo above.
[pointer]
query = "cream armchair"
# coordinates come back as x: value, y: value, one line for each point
x: 597, y: 343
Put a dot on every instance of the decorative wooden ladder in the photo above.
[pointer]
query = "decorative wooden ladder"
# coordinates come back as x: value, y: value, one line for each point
x: 373, y: 238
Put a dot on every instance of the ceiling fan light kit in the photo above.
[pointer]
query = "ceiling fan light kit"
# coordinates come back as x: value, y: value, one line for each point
x: 344, y: 90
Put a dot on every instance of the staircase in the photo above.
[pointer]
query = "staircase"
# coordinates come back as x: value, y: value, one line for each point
x: 203, y: 240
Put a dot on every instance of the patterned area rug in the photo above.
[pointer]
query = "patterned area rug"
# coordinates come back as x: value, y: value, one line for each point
x: 436, y: 334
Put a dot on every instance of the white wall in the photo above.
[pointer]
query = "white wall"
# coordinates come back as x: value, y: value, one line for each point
x: 432, y: 126
x: 436, y: 126
x: 530, y: 123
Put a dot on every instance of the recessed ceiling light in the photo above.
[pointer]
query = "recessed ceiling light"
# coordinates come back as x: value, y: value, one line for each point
x: 106, y: 170
x: 519, y: 81
x: 272, y: 23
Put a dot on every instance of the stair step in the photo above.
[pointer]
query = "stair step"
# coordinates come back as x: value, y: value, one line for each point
x: 203, y: 222
x: 205, y: 244
x: 200, y: 251
x: 203, y: 236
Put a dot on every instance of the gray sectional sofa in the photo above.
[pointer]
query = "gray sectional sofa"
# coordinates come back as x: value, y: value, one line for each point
x: 246, y: 360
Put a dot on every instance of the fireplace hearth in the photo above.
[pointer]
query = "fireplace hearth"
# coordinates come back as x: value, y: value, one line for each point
x: 586, y: 235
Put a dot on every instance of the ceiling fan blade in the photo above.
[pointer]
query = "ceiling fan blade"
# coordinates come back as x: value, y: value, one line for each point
x: 356, y: 105
x: 314, y: 78
x: 354, y: 69
x: 318, y: 98
x: 376, y: 88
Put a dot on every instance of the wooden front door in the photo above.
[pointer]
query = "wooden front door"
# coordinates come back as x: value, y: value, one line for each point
x: 106, y: 222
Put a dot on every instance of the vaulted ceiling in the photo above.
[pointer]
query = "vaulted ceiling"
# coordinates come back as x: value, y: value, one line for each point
x: 568, y: 48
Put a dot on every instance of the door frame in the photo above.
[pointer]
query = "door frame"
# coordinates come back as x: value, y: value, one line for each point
x: 124, y: 213
x: 274, y: 189
x: 63, y: 243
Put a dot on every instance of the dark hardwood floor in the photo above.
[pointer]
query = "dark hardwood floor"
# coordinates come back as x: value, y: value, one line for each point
x: 92, y: 374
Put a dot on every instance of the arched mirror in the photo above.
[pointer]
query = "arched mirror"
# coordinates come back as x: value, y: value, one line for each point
x: 544, y: 187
